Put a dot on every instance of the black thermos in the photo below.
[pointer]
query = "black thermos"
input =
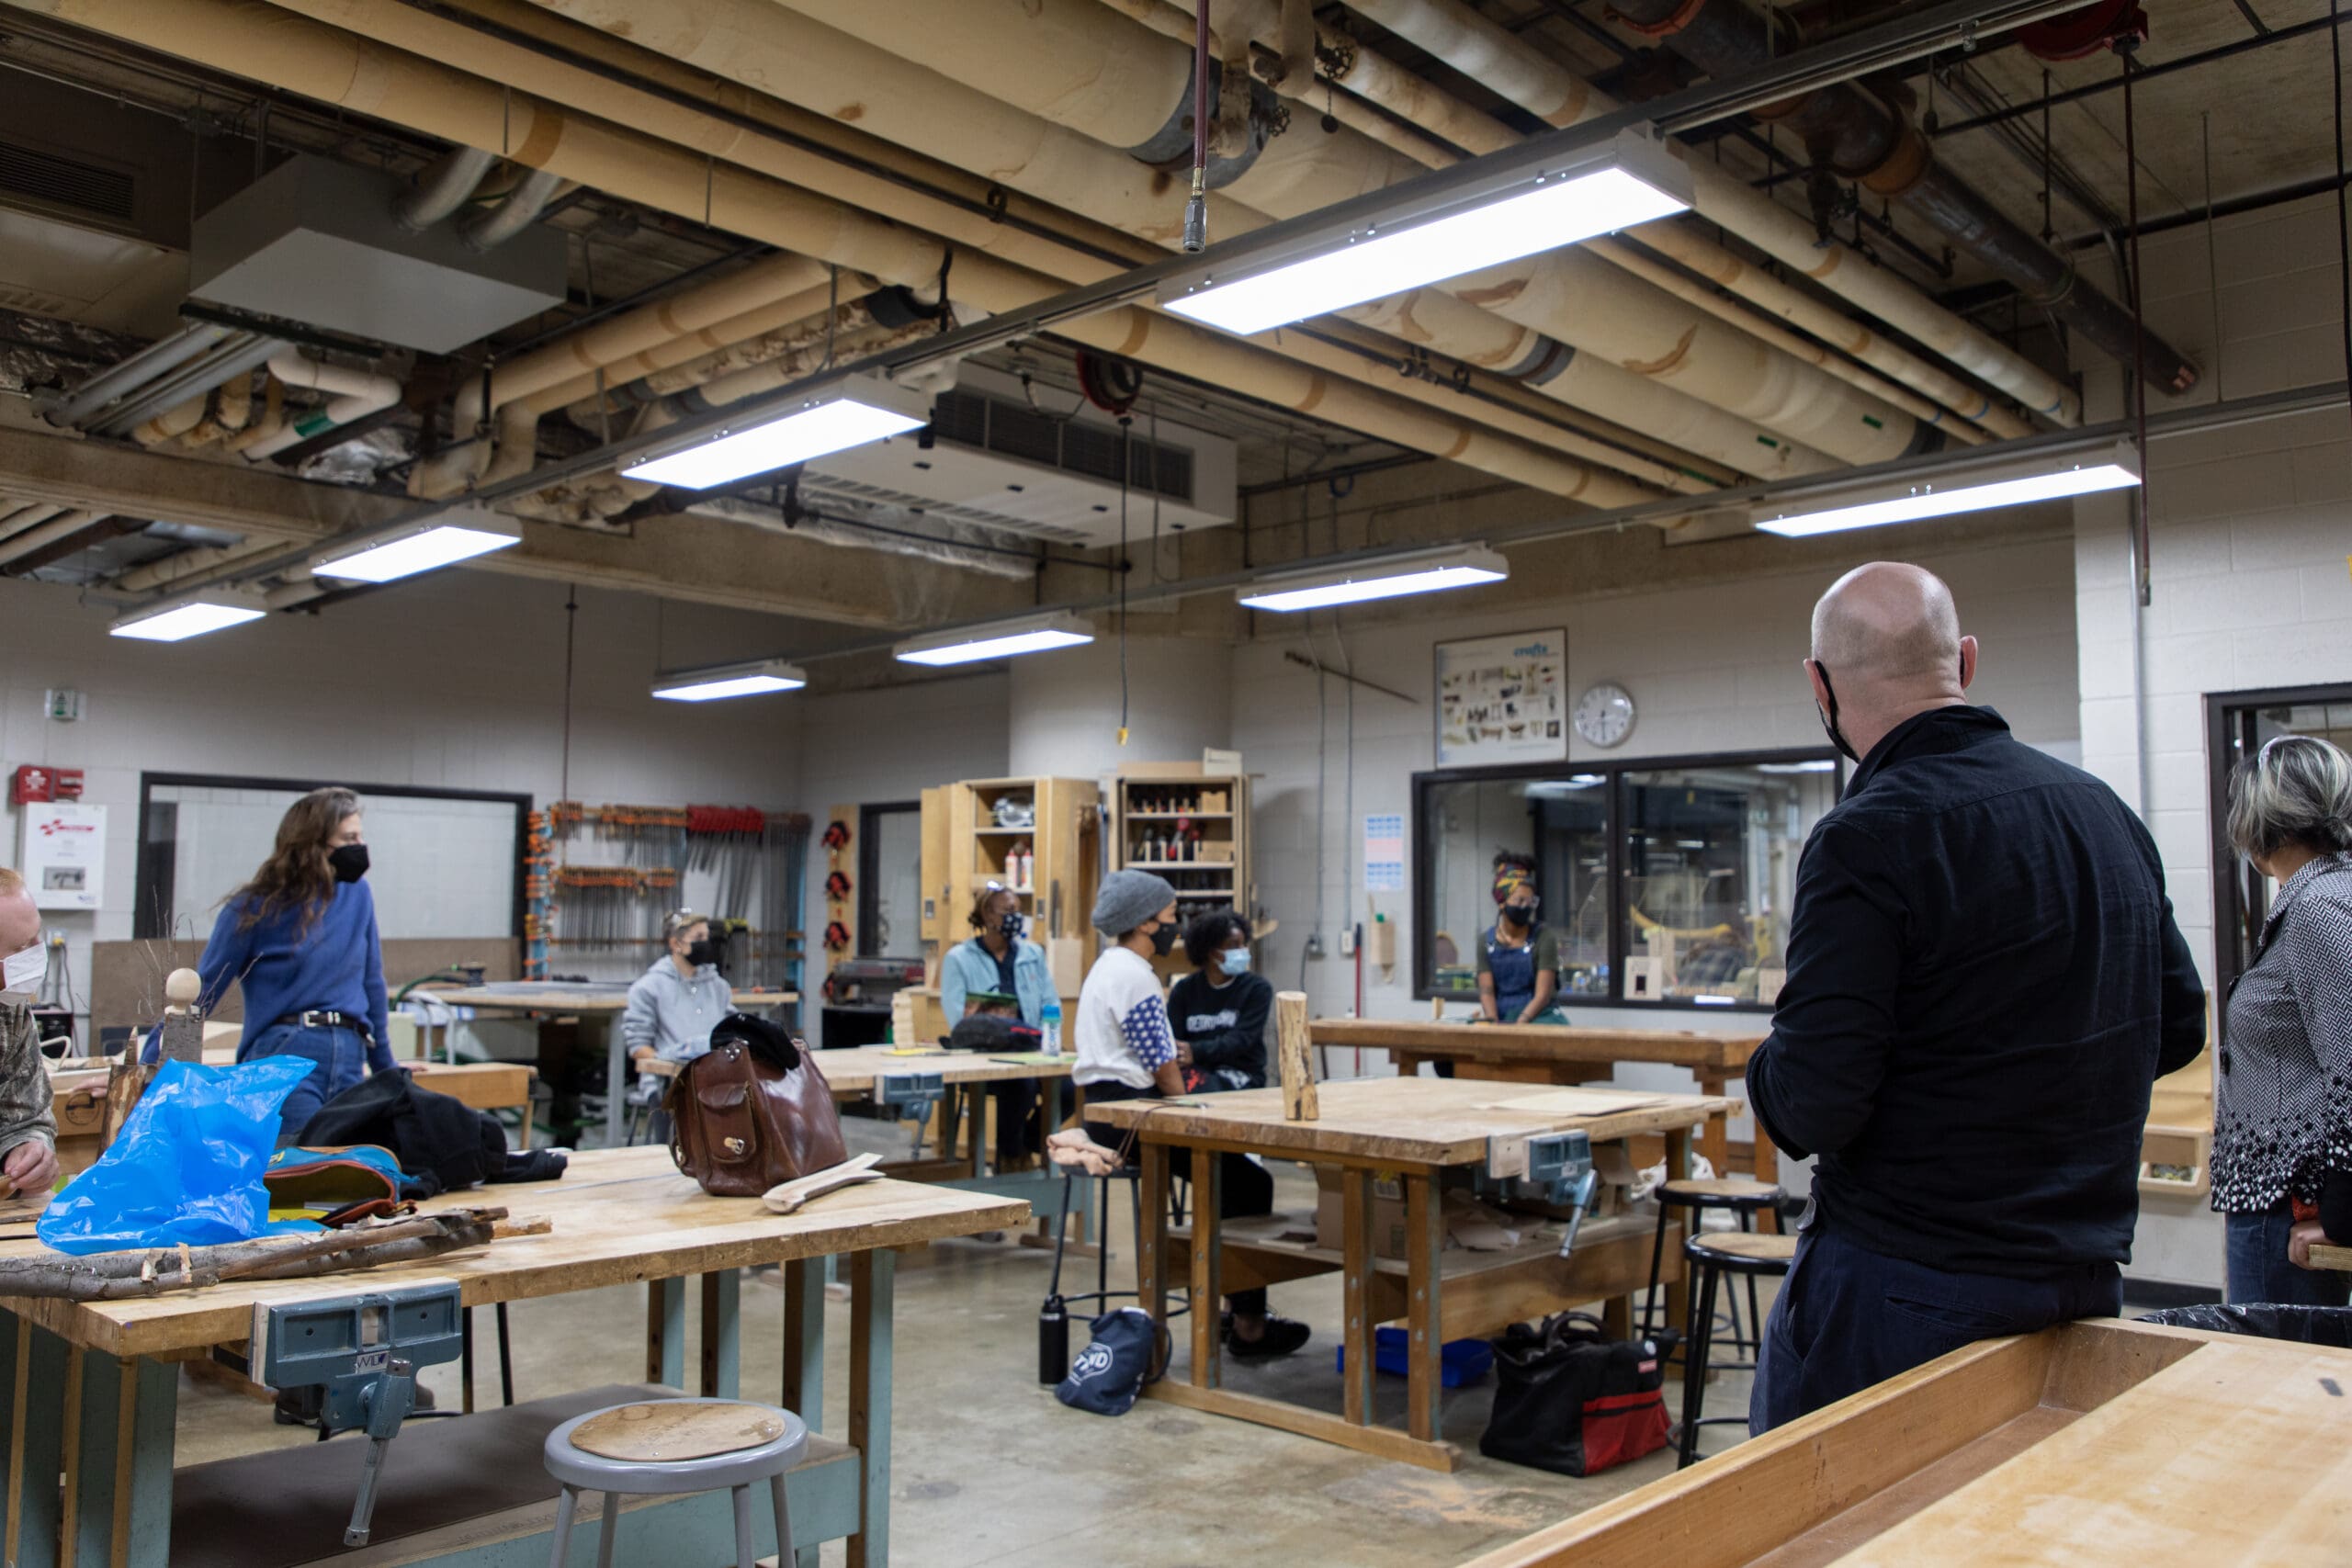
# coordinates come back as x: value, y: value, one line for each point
x: 1053, y: 1341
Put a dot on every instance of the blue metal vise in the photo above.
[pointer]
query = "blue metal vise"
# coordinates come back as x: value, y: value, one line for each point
x: 1550, y: 1167
x: 913, y: 1094
x: 363, y: 1350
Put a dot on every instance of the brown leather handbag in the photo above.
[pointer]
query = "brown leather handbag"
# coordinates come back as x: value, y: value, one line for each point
x: 752, y: 1112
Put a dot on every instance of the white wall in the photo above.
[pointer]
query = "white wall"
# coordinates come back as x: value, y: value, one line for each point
x: 2250, y: 528
x: 1065, y: 709
x: 453, y: 683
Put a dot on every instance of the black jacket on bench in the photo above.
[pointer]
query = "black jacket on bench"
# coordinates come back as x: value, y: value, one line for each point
x: 1983, y: 979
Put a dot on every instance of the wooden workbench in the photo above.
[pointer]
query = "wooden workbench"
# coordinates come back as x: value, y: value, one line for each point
x: 598, y: 1006
x: 1414, y: 1129
x: 2096, y: 1443
x: 618, y: 1216
x: 1543, y: 1053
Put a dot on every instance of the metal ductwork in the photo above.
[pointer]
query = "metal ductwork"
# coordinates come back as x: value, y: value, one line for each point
x: 488, y: 230
x: 443, y: 188
x: 1857, y: 138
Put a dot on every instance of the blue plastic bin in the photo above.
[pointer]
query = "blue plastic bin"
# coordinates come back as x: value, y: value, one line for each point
x: 1460, y: 1363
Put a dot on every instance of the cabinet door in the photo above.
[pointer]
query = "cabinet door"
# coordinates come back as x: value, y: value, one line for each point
x: 935, y: 874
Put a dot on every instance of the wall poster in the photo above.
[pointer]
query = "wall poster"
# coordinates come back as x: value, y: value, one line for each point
x: 1502, y: 699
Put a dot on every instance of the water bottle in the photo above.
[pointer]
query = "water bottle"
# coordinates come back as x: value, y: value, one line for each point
x: 1053, y: 1342
x: 1050, y: 1025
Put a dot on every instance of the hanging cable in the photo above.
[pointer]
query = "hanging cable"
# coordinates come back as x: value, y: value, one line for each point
x: 1127, y: 426
x: 2343, y: 236
x: 1197, y: 210
x: 570, y: 623
x: 2142, y: 576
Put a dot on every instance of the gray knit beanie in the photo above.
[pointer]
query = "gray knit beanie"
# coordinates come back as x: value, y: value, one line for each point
x: 1129, y: 898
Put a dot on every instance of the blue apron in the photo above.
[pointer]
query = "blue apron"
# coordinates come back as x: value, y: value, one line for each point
x: 1514, y: 972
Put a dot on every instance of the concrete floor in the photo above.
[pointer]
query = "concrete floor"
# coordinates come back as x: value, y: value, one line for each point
x: 989, y: 1468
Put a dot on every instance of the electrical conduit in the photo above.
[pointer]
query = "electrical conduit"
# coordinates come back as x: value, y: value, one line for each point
x: 352, y: 394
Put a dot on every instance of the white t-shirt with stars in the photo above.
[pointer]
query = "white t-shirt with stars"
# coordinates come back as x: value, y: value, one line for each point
x: 1122, y: 1034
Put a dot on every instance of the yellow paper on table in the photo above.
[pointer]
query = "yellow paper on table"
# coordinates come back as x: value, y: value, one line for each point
x: 915, y: 1051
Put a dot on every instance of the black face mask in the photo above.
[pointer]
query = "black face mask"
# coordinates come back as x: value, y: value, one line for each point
x: 349, y: 861
x: 1519, y: 914
x: 701, y: 953
x: 1010, y: 927
x: 1829, y: 716
x: 1164, y: 941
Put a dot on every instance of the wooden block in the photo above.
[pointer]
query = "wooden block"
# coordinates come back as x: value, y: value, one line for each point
x: 1294, y: 1051
x: 665, y: 1433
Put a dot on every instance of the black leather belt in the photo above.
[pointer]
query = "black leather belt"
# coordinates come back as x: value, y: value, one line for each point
x: 327, y: 1017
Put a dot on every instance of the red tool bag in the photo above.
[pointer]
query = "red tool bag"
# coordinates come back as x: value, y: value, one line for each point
x: 1571, y: 1400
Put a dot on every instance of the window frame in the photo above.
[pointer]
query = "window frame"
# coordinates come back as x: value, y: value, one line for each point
x: 869, y: 864
x: 1613, y: 771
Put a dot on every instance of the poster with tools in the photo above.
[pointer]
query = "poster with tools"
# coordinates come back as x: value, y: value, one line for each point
x: 63, y: 854
x: 1502, y: 699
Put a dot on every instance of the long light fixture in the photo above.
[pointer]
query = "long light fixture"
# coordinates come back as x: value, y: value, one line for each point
x: 214, y: 609
x: 1524, y: 205
x: 1037, y: 634
x: 1996, y: 483
x: 747, y: 680
x: 437, y: 542
x: 848, y: 413
x: 1420, y: 572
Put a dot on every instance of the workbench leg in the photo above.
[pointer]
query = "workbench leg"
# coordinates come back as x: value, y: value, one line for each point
x: 1151, y: 1246
x: 804, y: 1340
x: 721, y: 1336
x: 1677, y: 1300
x: 1208, y: 1370
x: 1425, y: 1340
x: 120, y: 1480
x: 1714, y: 1134
x: 870, y: 1305
x: 35, y: 1448
x: 665, y: 1332
x: 1356, y: 1347
x: 615, y: 1084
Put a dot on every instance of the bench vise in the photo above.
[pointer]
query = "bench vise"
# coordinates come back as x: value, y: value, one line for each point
x: 1549, y: 1168
x: 915, y: 1094
x: 363, y: 1350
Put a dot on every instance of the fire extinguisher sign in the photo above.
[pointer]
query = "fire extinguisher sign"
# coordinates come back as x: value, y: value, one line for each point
x: 63, y: 855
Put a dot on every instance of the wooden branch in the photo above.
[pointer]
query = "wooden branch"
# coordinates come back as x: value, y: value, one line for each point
x: 1296, y: 1054
x: 124, y: 1276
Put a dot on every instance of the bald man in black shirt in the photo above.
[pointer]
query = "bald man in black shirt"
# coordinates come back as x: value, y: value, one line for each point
x: 1984, y: 978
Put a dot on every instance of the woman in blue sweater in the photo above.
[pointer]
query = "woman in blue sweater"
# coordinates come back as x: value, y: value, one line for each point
x: 301, y: 939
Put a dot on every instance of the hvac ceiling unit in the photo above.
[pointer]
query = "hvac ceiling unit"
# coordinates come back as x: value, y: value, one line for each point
x: 315, y: 241
x: 1044, y: 469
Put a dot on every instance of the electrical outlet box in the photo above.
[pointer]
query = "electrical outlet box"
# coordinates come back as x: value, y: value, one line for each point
x: 1347, y: 941
x: 1315, y: 945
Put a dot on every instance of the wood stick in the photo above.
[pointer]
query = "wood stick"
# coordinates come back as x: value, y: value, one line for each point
x: 506, y: 1230
x: 1295, y: 1050
x: 375, y: 1256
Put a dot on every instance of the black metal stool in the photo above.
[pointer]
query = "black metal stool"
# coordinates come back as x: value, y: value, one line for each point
x: 1749, y: 1253
x: 1745, y: 1199
x: 1101, y: 1295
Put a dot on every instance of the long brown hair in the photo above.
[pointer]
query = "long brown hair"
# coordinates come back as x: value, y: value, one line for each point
x: 296, y: 875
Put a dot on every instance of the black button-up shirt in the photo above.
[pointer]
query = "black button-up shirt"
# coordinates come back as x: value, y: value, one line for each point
x: 1984, y: 977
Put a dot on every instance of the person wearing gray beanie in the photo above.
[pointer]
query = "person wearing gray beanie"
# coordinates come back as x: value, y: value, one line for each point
x: 1129, y: 898
x: 1126, y: 1050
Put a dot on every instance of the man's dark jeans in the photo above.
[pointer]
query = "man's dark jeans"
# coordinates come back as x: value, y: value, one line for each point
x: 1847, y: 1318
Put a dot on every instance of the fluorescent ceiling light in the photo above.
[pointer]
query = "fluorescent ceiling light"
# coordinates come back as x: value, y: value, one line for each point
x: 850, y: 412
x: 1976, y: 488
x: 211, y: 611
x: 1526, y: 204
x: 421, y: 546
x: 1037, y: 634
x: 1823, y: 766
x: 729, y: 681
x: 1422, y: 572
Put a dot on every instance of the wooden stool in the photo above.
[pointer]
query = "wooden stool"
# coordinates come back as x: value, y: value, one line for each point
x: 669, y: 1447
x: 1740, y: 1195
x: 1749, y: 1253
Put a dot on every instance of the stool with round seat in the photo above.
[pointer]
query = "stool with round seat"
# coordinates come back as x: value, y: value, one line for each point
x: 1713, y: 1254
x: 1737, y: 1194
x: 670, y: 1448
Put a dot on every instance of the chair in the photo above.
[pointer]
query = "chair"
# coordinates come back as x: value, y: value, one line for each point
x: 642, y: 1113
x: 1101, y: 1295
x: 1713, y: 1255
x: 671, y: 1448
x: 1741, y: 1197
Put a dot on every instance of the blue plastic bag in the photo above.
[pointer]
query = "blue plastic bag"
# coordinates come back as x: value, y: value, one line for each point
x: 187, y: 1165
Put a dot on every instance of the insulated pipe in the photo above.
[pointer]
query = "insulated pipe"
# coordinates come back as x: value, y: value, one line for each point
x: 232, y: 408
x: 488, y: 230
x: 1363, y: 72
x: 845, y: 326
x: 917, y: 107
x: 27, y: 517
x: 352, y: 394
x: 261, y: 42
x: 240, y: 353
x: 158, y: 358
x: 1502, y: 63
x: 1045, y: 55
x: 1856, y: 136
x: 272, y: 420
x: 684, y: 353
x: 173, y: 422
x: 190, y: 563
x: 104, y: 527
x: 1659, y: 275
x: 443, y: 188
x: 41, y: 535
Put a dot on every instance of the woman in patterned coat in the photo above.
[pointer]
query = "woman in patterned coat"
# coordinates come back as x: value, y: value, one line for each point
x: 2282, y: 1136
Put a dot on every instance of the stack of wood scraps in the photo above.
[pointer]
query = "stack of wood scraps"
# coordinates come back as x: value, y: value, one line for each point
x: 152, y: 1271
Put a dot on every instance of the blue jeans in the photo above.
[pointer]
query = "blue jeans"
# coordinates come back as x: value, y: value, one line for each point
x: 1847, y: 1318
x: 342, y: 1059
x: 2259, y: 1269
